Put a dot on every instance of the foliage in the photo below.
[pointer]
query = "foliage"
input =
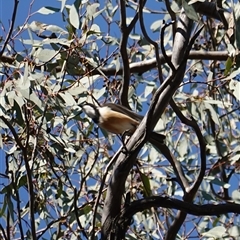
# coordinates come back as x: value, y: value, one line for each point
x: 58, y: 167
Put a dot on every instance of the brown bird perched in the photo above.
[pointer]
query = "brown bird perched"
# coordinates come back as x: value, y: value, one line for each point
x: 117, y: 119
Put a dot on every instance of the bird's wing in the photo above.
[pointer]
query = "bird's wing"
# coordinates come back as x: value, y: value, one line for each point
x: 123, y: 110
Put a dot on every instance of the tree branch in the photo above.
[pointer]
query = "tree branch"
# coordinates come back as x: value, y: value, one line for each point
x: 142, y: 66
x: 180, y: 45
x: 29, y: 176
x: 11, y: 27
x: 166, y: 202
x: 124, y: 54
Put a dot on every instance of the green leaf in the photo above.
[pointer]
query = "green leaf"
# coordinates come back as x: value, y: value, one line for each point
x: 190, y: 11
x: 228, y: 66
x: 10, y: 205
x: 48, y: 10
x: 207, y: 196
x: 55, y: 29
x: 59, y: 189
x: 22, y: 181
x: 74, y: 16
x: 3, y: 206
x: 156, y: 26
x: 216, y: 232
x: 45, y: 55
x: 213, y: 113
x: 234, y: 232
x: 236, y: 196
x: 217, y: 181
x: 91, y: 10
x: 63, y: 3
x: 146, y: 185
x: 237, y: 23
x: 183, y: 147
x: 68, y: 98
x: 77, y: 3
x: 76, y: 90
x: 235, y: 87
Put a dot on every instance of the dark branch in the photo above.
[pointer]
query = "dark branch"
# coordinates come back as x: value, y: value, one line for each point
x: 124, y: 54
x: 166, y: 202
x: 11, y: 27
x: 29, y: 175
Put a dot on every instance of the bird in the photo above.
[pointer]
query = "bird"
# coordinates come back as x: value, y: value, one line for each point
x: 117, y: 119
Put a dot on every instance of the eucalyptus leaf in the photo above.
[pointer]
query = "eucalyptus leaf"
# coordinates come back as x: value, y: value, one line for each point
x: 48, y: 10
x: 190, y: 11
x: 74, y: 16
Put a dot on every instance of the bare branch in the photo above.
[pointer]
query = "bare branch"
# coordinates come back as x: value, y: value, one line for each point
x: 11, y: 27
x: 191, y: 194
x: 123, y: 50
x: 166, y: 202
x: 180, y: 45
x: 76, y: 214
x: 158, y: 60
x: 173, y: 16
x: 167, y: 59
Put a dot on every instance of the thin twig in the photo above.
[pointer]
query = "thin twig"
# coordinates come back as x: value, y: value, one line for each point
x: 3, y: 232
x: 18, y: 206
x: 26, y: 20
x: 76, y: 213
x: 29, y: 178
x: 158, y: 60
x: 124, y: 55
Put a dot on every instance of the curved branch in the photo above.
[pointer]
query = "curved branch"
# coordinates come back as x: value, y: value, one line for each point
x: 173, y: 16
x: 123, y: 50
x: 179, y: 48
x: 201, y: 174
x: 192, y: 123
x: 158, y: 60
x: 167, y: 59
x: 166, y: 202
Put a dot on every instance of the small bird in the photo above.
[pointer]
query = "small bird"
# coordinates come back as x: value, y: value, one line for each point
x: 116, y: 119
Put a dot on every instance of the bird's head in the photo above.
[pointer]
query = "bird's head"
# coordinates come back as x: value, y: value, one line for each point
x: 91, y: 110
